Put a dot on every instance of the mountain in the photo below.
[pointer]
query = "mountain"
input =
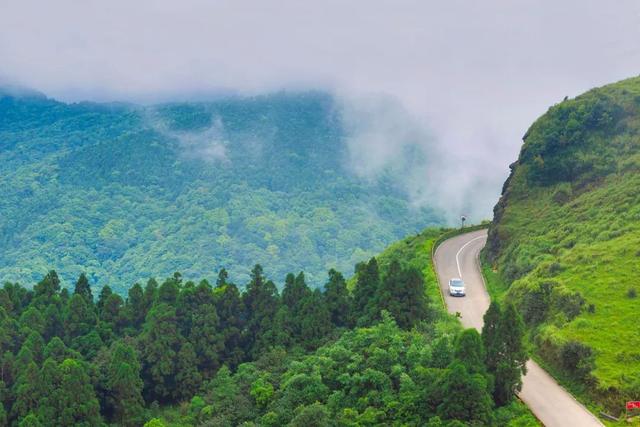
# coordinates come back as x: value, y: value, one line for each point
x: 126, y: 192
x: 565, y: 241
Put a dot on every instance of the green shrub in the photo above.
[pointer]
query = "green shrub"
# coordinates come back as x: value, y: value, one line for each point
x: 563, y: 193
x: 534, y: 306
x: 565, y: 301
x: 631, y: 293
x: 577, y: 359
x: 555, y: 268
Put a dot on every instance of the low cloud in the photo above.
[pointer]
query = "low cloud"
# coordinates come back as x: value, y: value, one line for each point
x: 464, y: 79
x: 386, y: 140
x: 208, y: 144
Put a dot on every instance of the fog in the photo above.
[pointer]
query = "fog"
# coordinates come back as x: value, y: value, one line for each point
x: 440, y: 91
x: 206, y: 144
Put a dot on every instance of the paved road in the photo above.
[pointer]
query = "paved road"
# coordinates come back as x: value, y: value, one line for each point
x: 550, y: 403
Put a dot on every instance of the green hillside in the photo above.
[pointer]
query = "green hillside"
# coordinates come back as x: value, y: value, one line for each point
x: 566, y: 239
x: 126, y: 192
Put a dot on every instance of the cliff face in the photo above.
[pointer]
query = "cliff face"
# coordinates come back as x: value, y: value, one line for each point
x: 566, y: 236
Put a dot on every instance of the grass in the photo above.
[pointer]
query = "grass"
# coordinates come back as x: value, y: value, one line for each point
x: 496, y: 287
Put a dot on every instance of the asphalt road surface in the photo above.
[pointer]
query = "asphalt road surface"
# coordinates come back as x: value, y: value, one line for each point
x: 550, y: 403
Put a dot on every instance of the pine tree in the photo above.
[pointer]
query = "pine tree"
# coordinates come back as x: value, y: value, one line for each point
x: 231, y: 314
x: 384, y: 297
x: 506, y: 356
x: 512, y: 363
x: 78, y: 404
x: 402, y: 294
x: 49, y: 403
x: 413, y: 304
x: 111, y: 312
x: 223, y: 276
x: 22, y: 360
x: 79, y: 318
x: 124, y: 386
x: 88, y: 345
x: 83, y: 289
x: 56, y: 350
x: 261, y: 303
x: 469, y: 351
x: 491, y: 338
x: 53, y: 318
x: 105, y: 293
x: 188, y: 379
x: 367, y: 284
x: 190, y: 299
x: 47, y: 288
x: 169, y: 290
x: 150, y: 294
x: 35, y: 344
x: 32, y: 319
x: 207, y: 338
x: 136, y: 309
x: 294, y: 291
x: 160, y: 342
x: 338, y: 300
x: 314, y: 320
x: 465, y: 396
x: 295, y: 297
x: 8, y: 332
x: 27, y: 391
x: 441, y: 353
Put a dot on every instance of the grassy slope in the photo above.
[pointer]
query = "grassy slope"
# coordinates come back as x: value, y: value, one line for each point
x: 581, y: 234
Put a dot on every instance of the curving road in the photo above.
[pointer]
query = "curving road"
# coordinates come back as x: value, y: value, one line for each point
x: 549, y: 402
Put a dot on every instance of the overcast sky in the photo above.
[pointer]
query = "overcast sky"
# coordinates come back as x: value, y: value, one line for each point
x: 470, y: 75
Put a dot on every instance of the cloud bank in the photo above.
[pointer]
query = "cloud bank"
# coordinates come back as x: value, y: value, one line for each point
x: 464, y: 78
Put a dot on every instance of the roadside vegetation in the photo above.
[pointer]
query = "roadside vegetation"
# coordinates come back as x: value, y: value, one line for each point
x: 565, y: 242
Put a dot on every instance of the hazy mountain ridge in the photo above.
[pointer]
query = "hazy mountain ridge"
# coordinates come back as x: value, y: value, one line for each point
x: 566, y: 234
x: 130, y: 191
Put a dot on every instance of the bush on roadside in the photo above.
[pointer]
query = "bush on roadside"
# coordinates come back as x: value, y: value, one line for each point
x: 577, y: 359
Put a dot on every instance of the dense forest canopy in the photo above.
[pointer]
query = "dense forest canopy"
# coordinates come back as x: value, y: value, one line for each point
x: 184, y: 353
x: 125, y: 192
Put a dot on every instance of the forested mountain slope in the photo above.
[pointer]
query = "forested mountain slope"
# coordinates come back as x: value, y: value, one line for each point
x: 125, y: 192
x: 566, y: 238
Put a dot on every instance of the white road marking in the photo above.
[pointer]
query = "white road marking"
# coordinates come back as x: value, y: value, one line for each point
x: 460, y: 250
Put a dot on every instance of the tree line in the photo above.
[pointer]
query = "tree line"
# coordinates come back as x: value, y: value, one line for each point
x: 69, y: 358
